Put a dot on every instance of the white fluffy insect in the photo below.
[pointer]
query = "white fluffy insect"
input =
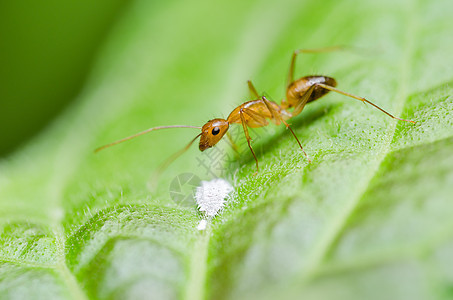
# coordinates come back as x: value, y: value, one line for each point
x: 210, y: 197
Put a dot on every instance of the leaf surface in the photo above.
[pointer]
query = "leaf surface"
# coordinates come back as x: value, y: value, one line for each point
x: 368, y: 218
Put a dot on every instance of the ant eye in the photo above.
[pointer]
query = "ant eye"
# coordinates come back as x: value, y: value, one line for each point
x: 215, y: 131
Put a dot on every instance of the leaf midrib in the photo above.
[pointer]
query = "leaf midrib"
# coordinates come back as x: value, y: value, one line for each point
x: 195, y: 288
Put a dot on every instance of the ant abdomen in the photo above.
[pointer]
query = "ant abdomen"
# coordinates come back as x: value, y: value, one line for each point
x: 299, y: 87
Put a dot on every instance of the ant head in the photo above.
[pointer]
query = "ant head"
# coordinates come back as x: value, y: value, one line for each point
x: 212, y: 132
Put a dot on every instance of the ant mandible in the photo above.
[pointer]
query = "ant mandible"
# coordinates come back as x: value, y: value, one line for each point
x: 258, y: 112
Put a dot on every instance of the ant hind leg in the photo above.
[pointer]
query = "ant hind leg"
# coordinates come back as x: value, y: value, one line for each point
x: 331, y: 88
x: 290, y: 77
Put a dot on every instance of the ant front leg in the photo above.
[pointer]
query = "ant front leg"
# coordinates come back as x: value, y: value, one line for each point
x: 247, y: 136
x: 233, y: 144
x: 252, y: 90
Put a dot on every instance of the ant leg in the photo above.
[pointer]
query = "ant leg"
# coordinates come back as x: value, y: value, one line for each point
x: 300, y: 145
x: 233, y: 144
x: 247, y: 136
x: 272, y: 110
x: 257, y: 117
x: 290, y: 77
x: 252, y: 89
x: 276, y: 115
x: 303, y: 101
x: 331, y: 88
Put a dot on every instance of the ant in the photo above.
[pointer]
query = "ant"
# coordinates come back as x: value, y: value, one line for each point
x: 258, y: 112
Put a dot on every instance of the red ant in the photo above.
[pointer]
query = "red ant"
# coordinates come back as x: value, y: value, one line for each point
x: 258, y: 112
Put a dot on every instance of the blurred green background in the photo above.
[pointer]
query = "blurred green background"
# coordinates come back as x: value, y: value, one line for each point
x: 46, y: 51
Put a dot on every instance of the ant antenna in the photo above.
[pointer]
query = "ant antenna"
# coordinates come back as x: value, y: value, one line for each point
x: 172, y: 158
x: 166, y: 163
x: 146, y: 131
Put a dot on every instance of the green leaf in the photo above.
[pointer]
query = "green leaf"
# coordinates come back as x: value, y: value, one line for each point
x: 370, y: 217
